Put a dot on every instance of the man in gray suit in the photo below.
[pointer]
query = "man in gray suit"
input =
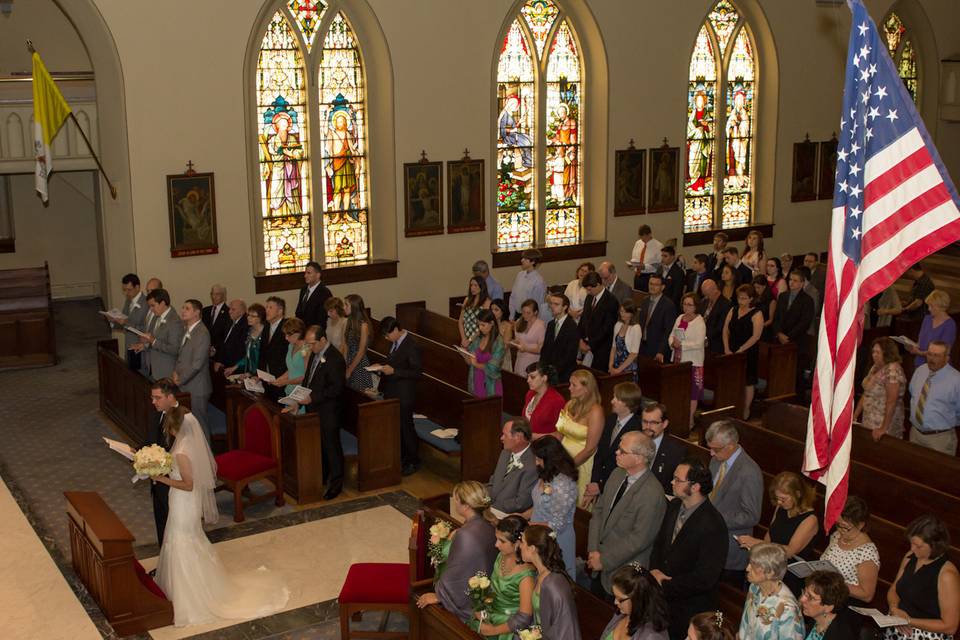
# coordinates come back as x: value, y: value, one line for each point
x: 512, y: 481
x: 148, y: 324
x: 192, y: 370
x: 737, y: 493
x: 620, y: 289
x: 163, y: 336
x: 627, y: 515
x: 135, y: 308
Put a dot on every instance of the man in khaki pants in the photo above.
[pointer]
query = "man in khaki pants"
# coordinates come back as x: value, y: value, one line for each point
x: 935, y: 401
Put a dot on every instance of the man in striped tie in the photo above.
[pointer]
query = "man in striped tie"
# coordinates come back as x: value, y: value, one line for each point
x: 935, y: 401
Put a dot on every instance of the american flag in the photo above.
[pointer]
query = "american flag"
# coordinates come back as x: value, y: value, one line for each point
x: 893, y: 204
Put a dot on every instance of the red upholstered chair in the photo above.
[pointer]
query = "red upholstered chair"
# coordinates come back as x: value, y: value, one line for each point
x: 257, y: 457
x: 382, y: 586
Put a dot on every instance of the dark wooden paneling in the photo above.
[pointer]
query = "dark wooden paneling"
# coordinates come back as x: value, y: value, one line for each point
x: 670, y: 385
x: 587, y: 249
x: 376, y: 270
x: 726, y: 376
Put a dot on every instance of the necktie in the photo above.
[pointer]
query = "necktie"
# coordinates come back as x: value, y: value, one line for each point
x: 556, y: 328
x: 646, y: 323
x: 922, y: 400
x: 719, y: 481
x: 306, y: 295
x: 229, y: 331
x: 313, y: 368
x: 681, y: 517
x: 151, y: 322
x: 616, y: 431
x: 622, y: 490
x: 394, y: 347
x: 643, y: 253
x: 183, y: 340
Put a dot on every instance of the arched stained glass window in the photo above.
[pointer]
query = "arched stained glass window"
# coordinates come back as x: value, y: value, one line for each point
x: 285, y: 103
x: 539, y: 71
x: 901, y: 49
x: 721, y: 91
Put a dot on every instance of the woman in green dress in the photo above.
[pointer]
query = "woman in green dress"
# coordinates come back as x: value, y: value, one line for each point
x: 256, y: 320
x: 512, y: 583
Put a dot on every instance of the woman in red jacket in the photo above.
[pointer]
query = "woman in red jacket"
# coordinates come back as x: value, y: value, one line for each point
x: 543, y: 403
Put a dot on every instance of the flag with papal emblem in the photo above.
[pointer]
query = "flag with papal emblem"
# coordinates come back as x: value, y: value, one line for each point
x: 893, y: 204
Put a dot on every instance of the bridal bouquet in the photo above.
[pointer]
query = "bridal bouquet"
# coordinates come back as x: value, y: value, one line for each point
x: 533, y: 633
x: 152, y: 461
x: 481, y: 595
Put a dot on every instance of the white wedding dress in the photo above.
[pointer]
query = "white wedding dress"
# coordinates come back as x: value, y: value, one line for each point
x: 189, y: 569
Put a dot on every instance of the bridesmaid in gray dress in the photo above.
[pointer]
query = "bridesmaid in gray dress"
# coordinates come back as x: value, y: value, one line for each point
x: 473, y: 548
x: 641, y: 607
x: 554, y: 608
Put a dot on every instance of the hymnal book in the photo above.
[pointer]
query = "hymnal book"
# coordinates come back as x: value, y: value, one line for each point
x: 803, y: 568
x: 374, y: 367
x: 465, y: 352
x: 446, y: 434
x: 881, y: 619
x: 114, y: 315
x: 253, y: 384
x: 905, y: 341
x: 136, y: 331
x: 299, y: 395
x: 634, y: 264
x: 266, y: 376
x: 120, y: 447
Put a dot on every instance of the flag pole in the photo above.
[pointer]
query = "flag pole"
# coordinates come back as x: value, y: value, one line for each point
x: 113, y: 189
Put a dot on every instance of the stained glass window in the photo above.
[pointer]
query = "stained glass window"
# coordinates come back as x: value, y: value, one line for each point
x: 719, y: 159
x: 344, y: 184
x: 283, y: 148
x: 902, y: 51
x: 307, y: 14
x: 539, y: 70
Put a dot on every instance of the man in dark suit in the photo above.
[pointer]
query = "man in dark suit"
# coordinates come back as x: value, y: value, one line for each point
x: 233, y: 346
x: 818, y: 272
x: 696, y: 275
x: 398, y: 379
x: 690, y: 549
x: 670, y: 451
x: 313, y: 295
x: 325, y: 376
x: 608, y: 275
x: 273, y: 344
x: 626, y: 402
x: 163, y: 396
x: 657, y: 314
x: 600, y: 312
x: 216, y: 316
x: 561, y: 342
x: 713, y: 307
x: 794, y: 313
x: 672, y: 274
x: 513, y: 478
x: 715, y: 259
x: 742, y: 271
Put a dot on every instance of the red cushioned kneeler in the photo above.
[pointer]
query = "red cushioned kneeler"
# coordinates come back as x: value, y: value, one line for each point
x: 374, y: 586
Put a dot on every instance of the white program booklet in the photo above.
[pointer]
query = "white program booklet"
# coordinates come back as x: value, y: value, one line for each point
x: 499, y: 515
x: 253, y: 384
x: 465, y: 352
x: 114, y: 314
x: 881, y: 619
x: 803, y: 568
x: 120, y: 447
x: 446, y: 434
x: 905, y: 341
x: 374, y: 367
x: 299, y: 395
x: 265, y: 376
x: 136, y: 331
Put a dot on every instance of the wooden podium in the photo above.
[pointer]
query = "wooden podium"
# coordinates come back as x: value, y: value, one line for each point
x: 102, y: 551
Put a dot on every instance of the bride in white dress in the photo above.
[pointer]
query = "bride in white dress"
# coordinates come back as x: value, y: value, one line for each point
x: 189, y: 570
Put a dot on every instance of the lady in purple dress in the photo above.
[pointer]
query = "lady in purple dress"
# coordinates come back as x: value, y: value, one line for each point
x: 937, y: 325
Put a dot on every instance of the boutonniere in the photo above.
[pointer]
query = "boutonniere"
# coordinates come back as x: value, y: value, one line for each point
x: 514, y: 464
x: 136, y: 305
x: 547, y: 489
x: 186, y: 336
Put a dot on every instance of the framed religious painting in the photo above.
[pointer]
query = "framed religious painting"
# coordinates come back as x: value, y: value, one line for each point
x: 664, y: 188
x: 193, y: 214
x: 804, y: 185
x: 423, y: 198
x: 828, y: 169
x: 629, y: 169
x: 465, y: 189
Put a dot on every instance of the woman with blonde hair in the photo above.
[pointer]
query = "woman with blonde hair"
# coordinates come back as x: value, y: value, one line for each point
x: 936, y: 326
x: 472, y: 549
x: 580, y: 425
x: 880, y: 408
x: 794, y: 525
x: 336, y: 324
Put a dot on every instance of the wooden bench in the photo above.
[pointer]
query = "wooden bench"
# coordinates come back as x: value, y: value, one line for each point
x: 101, y: 551
x: 26, y: 318
x: 370, y: 435
x: 898, y: 457
x: 777, y: 368
x: 125, y: 394
x: 725, y: 376
x: 669, y: 384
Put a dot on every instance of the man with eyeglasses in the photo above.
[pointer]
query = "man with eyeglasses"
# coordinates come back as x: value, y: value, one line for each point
x: 626, y: 402
x: 627, y: 515
x: 691, y: 547
x: 737, y: 493
x: 670, y: 451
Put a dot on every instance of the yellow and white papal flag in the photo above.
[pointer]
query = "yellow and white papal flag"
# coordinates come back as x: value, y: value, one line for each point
x: 49, y: 112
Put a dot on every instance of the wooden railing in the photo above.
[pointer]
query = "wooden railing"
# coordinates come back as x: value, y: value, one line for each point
x: 26, y: 318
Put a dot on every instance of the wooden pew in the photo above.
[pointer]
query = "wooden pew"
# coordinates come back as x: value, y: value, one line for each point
x: 125, y: 394
x: 777, y: 365
x: 374, y: 423
x: 670, y: 385
x: 101, y: 550
x: 725, y: 376
x: 26, y: 318
x: 898, y: 457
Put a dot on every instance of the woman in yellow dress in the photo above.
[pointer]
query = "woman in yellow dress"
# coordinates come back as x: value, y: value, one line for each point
x: 581, y: 423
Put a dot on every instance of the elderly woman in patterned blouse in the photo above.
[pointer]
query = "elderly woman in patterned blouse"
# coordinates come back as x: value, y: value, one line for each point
x: 771, y: 611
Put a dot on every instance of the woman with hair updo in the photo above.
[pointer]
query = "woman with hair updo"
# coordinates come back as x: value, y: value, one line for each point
x: 554, y: 607
x: 708, y: 626
x: 641, y: 607
x: 472, y: 549
x: 512, y: 582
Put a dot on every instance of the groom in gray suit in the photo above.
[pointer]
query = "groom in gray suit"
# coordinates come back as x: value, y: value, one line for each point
x: 192, y: 370
x: 627, y: 515
x: 737, y: 493
x: 512, y: 481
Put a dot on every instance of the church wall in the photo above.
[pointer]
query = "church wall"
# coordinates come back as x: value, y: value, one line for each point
x: 183, y: 79
x: 51, y: 32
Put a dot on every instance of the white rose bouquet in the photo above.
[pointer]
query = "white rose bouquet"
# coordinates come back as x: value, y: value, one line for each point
x: 438, y: 548
x: 481, y: 595
x: 152, y: 461
x: 533, y: 633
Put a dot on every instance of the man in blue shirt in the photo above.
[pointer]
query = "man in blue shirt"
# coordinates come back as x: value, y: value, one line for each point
x: 482, y: 270
x: 935, y: 401
x: 529, y: 285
